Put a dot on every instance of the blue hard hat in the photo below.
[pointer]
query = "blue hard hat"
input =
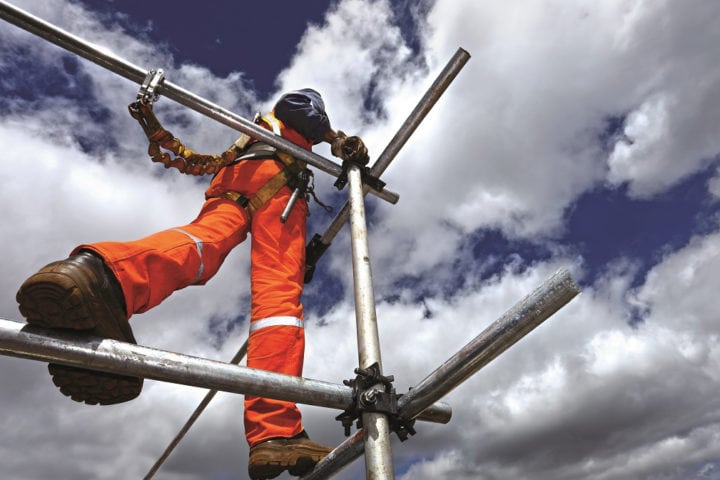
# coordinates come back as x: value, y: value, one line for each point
x: 304, y: 111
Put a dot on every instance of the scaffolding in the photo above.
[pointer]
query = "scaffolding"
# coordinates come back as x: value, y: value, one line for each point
x: 369, y: 397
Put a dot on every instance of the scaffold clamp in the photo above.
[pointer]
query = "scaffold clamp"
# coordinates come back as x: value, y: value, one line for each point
x: 148, y: 89
x: 365, y: 174
x: 369, y: 398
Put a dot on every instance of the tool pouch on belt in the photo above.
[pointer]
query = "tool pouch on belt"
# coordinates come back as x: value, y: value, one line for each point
x: 185, y: 160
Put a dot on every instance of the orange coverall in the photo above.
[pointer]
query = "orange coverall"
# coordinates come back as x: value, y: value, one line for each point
x: 150, y: 269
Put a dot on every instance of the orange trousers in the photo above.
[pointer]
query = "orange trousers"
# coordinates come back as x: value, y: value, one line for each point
x: 150, y: 269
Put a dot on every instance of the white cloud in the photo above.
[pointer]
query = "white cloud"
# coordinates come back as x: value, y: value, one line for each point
x: 714, y: 185
x: 517, y: 137
x: 357, y: 46
x: 669, y: 133
x: 510, y: 146
x: 587, y: 396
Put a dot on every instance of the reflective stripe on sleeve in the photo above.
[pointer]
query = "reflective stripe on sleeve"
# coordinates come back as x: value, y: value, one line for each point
x: 275, y: 322
x: 199, y: 247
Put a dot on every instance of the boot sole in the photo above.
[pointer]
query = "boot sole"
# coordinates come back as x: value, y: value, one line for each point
x: 303, y: 466
x: 52, y: 299
x: 92, y: 387
x: 276, y: 459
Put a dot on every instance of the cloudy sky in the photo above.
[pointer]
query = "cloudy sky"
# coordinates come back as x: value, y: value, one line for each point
x: 581, y: 135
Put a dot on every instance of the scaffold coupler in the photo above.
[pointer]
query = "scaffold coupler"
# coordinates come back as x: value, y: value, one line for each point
x: 368, y: 398
x: 148, y: 90
x: 365, y: 174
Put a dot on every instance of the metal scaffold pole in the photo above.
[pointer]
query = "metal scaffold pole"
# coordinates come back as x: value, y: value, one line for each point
x: 553, y: 294
x: 320, y: 243
x: 193, y: 418
x: 526, y: 315
x: 107, y: 355
x: 378, y: 455
x: 358, y: 398
x: 106, y: 59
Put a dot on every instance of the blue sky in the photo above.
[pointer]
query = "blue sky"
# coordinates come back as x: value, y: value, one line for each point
x: 581, y: 135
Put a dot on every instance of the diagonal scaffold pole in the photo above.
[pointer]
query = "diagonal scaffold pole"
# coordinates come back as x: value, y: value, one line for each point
x: 418, y: 114
x: 423, y: 107
x: 514, y: 324
x: 373, y: 439
x: 320, y: 243
x: 193, y: 418
x: 115, y: 64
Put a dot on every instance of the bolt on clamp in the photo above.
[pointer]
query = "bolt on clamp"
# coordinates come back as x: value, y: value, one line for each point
x: 148, y: 89
x: 369, y: 397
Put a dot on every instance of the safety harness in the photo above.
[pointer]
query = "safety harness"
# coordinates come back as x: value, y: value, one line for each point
x: 295, y: 173
x: 289, y: 175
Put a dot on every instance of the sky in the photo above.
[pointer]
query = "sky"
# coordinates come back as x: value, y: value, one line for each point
x: 581, y: 135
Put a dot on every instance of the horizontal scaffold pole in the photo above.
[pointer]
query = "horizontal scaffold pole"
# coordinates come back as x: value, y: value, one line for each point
x: 79, y: 350
x: 507, y: 330
x: 104, y: 58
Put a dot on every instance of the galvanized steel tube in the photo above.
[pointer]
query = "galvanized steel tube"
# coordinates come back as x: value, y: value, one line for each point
x: 426, y: 103
x: 109, y: 61
x: 341, y: 456
x: 367, y: 332
x: 378, y: 454
x: 108, y: 355
x: 79, y: 350
x: 517, y: 322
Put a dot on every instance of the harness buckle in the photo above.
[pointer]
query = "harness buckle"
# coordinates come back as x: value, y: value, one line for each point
x: 236, y: 197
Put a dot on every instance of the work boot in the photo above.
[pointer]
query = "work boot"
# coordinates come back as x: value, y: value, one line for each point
x: 298, y: 455
x: 81, y: 293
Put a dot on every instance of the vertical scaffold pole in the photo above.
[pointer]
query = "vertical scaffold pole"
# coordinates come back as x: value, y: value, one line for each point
x: 378, y: 455
x: 513, y: 325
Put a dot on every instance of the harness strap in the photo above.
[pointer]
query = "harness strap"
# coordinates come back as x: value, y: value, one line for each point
x: 191, y: 162
x: 237, y: 197
x: 292, y: 168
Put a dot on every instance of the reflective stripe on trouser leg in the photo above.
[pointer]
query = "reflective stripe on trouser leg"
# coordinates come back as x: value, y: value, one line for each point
x: 199, y: 247
x: 276, y: 322
x: 280, y: 349
x: 151, y: 268
x: 276, y: 342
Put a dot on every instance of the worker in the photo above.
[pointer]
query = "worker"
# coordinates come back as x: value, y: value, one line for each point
x: 101, y: 285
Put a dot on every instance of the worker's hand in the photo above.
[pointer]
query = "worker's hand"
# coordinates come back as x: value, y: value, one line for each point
x: 350, y: 148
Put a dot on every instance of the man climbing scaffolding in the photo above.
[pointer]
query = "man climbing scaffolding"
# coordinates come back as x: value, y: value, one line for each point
x: 100, y: 286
